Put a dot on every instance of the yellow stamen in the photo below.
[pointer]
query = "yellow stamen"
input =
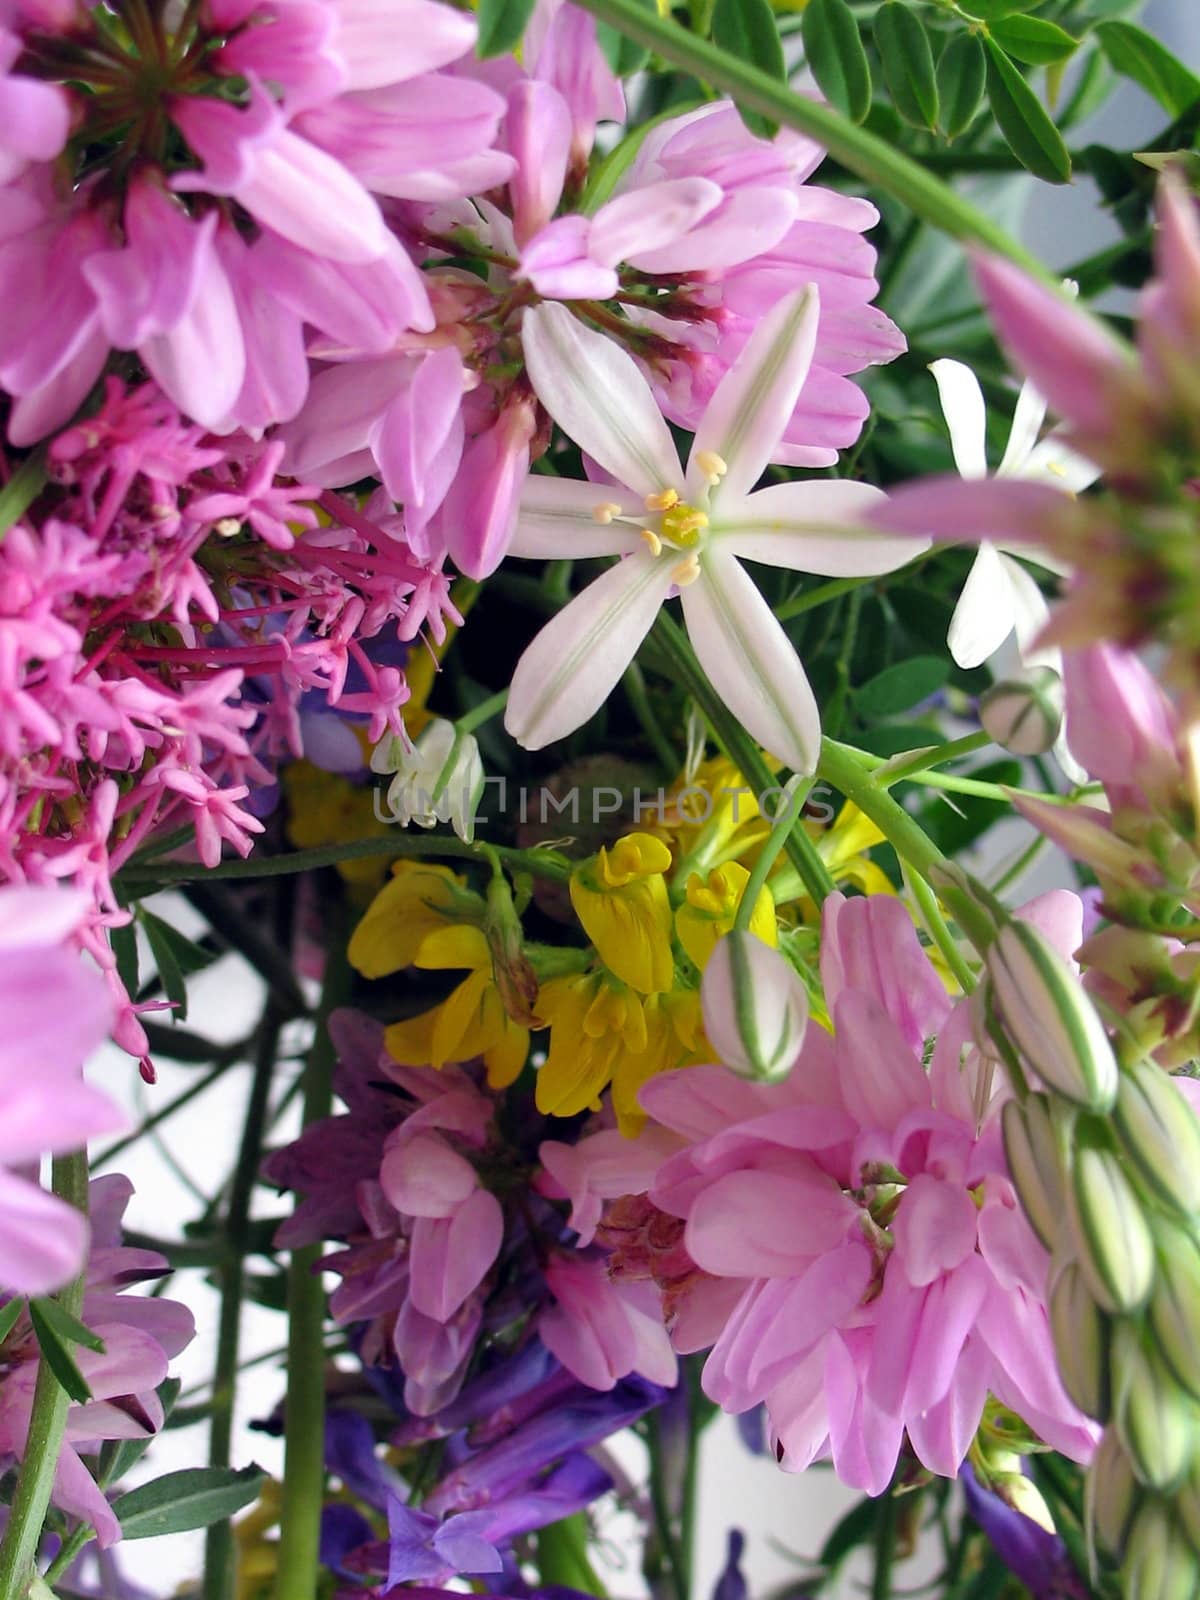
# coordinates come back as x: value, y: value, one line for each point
x: 651, y: 539
x: 687, y: 571
x: 605, y: 511
x: 663, y: 501
x: 712, y: 466
x: 682, y: 525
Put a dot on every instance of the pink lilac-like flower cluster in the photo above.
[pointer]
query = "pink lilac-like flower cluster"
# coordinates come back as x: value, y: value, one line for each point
x: 906, y: 1285
x: 140, y: 1334
x: 168, y: 608
x: 414, y: 1178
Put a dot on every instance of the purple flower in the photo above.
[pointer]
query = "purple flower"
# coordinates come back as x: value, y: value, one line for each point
x: 422, y: 1548
x: 1030, y: 1552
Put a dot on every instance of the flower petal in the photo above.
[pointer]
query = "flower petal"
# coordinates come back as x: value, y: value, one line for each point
x: 820, y: 526
x: 594, y: 391
x: 557, y: 519
x: 985, y: 613
x: 966, y: 416
x: 750, y: 660
x: 568, y: 671
x: 1028, y: 416
x: 753, y: 403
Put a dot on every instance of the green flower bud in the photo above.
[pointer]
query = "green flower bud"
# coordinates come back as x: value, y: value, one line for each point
x: 1112, y: 1495
x: 1155, y: 1418
x: 1161, y: 1136
x: 755, y: 1007
x: 1159, y: 1563
x: 1024, y: 714
x: 1111, y: 1235
x: 1175, y: 1306
x: 1050, y: 1017
x: 1187, y: 1504
x: 1033, y: 1164
x: 1082, y: 1342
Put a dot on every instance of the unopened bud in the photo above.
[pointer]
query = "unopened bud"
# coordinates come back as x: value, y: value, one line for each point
x: 1155, y: 1418
x: 1159, y: 1563
x: 1033, y: 1165
x: 1082, y: 1342
x: 1111, y: 1234
x: 1161, y: 1136
x: 1175, y: 1306
x: 1186, y: 1501
x: 755, y: 1007
x: 1050, y: 1018
x: 1113, y: 1494
x: 1024, y: 714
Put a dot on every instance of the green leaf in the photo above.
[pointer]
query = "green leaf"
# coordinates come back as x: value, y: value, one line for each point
x: 855, y: 1528
x: 1034, y: 41
x: 19, y: 493
x: 747, y: 30
x: 1138, y: 55
x: 124, y: 947
x: 175, y: 956
x: 835, y: 54
x: 1024, y: 121
x: 961, y: 78
x: 897, y: 688
x: 8, y: 1316
x: 621, y: 53
x: 992, y: 10
x: 68, y: 1328
x: 118, y: 1455
x: 181, y: 1501
x: 907, y: 63
x: 501, y: 25
x: 58, y: 1357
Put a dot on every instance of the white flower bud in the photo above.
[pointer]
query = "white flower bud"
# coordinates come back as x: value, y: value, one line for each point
x: 439, y: 779
x: 1112, y: 1494
x: 1111, y: 1235
x: 1186, y: 1501
x: 1175, y: 1306
x: 1033, y: 1164
x: 1050, y: 1018
x: 1161, y: 1136
x: 1159, y: 1563
x: 1024, y: 714
x: 1155, y: 1418
x: 1082, y: 1342
x: 755, y: 1007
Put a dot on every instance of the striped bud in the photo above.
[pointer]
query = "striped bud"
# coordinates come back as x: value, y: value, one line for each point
x: 1161, y: 1136
x: 1050, y: 1018
x: 1113, y: 1494
x: 1082, y: 1342
x: 755, y: 1007
x: 1175, y: 1306
x: 1187, y: 1504
x: 1024, y: 714
x: 1112, y: 1237
x: 1033, y: 1165
x: 1159, y: 1563
x: 1155, y: 1419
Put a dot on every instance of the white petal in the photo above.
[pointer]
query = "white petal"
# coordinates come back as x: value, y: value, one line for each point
x: 570, y: 669
x: 557, y: 519
x: 750, y: 661
x: 820, y: 526
x: 594, y: 391
x: 1027, y: 421
x: 754, y: 401
x: 965, y: 414
x: 1055, y: 463
x: 984, y: 616
x: 1030, y: 615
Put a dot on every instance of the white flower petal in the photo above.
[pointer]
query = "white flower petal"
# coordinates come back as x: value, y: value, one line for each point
x: 820, y: 526
x: 1027, y: 421
x: 594, y: 391
x: 1030, y: 613
x: 754, y: 401
x: 570, y: 669
x: 966, y: 415
x: 750, y: 660
x: 984, y: 616
x: 557, y: 519
x: 1054, y: 462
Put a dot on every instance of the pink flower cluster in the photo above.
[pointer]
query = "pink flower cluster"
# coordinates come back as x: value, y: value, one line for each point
x: 846, y: 1242
x: 165, y: 608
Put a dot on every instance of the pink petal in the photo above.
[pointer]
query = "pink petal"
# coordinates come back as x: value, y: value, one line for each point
x: 451, y: 1256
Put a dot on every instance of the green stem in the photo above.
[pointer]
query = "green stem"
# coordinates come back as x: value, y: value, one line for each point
x: 71, y: 1546
x: 740, y: 749
x: 791, y: 813
x: 19, y: 493
x: 226, y: 1060
x: 939, y: 931
x: 635, y: 688
x: 47, y: 1420
x: 483, y: 712
x: 297, y: 1569
x: 219, y: 1576
x: 873, y: 159
x: 664, y: 1521
x: 820, y: 596
x: 885, y: 1548
x: 922, y: 760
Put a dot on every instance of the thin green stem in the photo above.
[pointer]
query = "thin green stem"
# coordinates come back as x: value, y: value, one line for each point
x: 483, y: 712
x: 226, y: 1060
x: 297, y: 1568
x: 922, y: 760
x: 634, y: 682
x: 885, y: 1548
x: 219, y: 1573
x: 820, y: 596
x: 70, y: 1548
x: 664, y: 1521
x: 791, y: 814
x: 939, y: 931
x: 879, y: 163
x: 47, y: 1420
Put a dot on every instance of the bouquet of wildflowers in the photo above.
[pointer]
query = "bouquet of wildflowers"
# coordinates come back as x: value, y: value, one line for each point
x: 567, y: 554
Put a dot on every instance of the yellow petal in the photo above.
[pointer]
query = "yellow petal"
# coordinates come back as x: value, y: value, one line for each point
x: 415, y: 903
x: 630, y: 928
x: 453, y: 944
x: 411, y: 1042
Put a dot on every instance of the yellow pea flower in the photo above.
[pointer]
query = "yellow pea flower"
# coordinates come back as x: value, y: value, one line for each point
x: 710, y: 906
x: 620, y: 897
x: 844, y: 850
x: 421, y: 899
x: 674, y: 1038
x: 471, y: 1021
